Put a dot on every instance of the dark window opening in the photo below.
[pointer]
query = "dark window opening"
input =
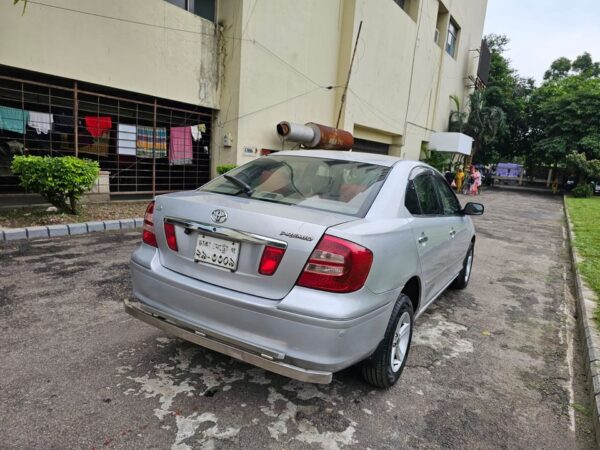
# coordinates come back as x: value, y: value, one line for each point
x: 441, y: 25
x: 203, y: 8
x: 410, y: 7
x: 365, y: 146
x: 452, y: 41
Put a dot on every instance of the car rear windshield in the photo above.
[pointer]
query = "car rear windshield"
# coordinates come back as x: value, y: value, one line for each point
x: 345, y: 187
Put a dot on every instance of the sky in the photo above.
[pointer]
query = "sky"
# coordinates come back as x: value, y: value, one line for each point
x: 542, y: 31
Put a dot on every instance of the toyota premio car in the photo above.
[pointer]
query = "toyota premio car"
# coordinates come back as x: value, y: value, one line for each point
x: 305, y: 262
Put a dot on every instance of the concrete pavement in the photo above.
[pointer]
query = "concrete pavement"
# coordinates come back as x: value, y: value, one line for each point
x: 495, y: 366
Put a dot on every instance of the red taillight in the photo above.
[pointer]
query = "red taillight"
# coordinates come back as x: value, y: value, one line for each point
x: 170, y: 235
x: 270, y: 260
x: 148, y: 236
x: 337, y: 265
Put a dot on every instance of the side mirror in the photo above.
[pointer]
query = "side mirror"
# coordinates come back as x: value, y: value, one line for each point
x: 473, y: 209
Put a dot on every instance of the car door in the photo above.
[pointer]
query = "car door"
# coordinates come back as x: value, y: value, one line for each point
x: 457, y: 227
x: 429, y: 229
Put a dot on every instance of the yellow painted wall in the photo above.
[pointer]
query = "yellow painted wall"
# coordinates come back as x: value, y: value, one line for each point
x: 266, y: 61
x: 171, y: 54
x: 291, y: 54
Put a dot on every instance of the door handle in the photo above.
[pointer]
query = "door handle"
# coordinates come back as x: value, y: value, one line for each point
x: 422, y: 239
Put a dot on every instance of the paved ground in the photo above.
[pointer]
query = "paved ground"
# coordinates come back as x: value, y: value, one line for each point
x: 491, y: 367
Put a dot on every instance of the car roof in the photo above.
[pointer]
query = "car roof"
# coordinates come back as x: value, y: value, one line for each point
x: 369, y: 158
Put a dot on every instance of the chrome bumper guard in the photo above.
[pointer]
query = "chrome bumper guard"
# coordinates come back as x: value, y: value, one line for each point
x: 263, y: 359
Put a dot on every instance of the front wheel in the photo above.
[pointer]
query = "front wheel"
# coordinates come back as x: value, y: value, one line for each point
x: 462, y: 280
x: 383, y: 368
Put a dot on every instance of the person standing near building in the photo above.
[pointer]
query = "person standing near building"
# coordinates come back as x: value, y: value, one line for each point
x: 459, y: 179
x: 476, y: 174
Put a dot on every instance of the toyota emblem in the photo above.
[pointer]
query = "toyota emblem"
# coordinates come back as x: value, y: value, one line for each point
x: 219, y: 216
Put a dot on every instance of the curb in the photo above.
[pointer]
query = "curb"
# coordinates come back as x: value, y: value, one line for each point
x: 71, y: 229
x: 586, y: 305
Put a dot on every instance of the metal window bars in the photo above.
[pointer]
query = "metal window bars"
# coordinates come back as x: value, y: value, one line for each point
x: 78, y: 128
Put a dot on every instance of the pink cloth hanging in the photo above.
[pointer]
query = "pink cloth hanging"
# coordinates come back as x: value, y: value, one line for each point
x: 181, y: 150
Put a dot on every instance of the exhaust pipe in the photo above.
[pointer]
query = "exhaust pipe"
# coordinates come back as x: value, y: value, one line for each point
x: 314, y: 135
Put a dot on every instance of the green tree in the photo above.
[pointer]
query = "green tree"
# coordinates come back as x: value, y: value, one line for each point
x: 585, y: 169
x: 583, y: 65
x: 565, y: 118
x: 512, y: 94
x: 558, y: 69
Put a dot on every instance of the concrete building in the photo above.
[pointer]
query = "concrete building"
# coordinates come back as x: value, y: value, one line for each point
x: 234, y: 67
x: 286, y: 62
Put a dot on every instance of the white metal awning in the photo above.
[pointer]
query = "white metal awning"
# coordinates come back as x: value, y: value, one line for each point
x: 451, y: 143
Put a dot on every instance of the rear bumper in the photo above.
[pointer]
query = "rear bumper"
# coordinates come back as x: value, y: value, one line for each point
x: 202, y: 338
x: 270, y: 334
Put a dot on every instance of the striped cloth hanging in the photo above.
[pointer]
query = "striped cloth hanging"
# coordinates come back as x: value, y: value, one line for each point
x: 145, y: 141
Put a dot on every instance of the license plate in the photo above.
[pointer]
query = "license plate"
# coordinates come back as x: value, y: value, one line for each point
x: 217, y: 252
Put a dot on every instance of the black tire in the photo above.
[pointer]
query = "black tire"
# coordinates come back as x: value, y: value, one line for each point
x: 377, y: 369
x: 463, y: 278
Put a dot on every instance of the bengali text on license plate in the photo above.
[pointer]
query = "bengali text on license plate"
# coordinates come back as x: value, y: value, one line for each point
x: 219, y: 252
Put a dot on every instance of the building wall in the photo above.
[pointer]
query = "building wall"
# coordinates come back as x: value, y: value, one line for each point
x: 168, y: 53
x: 265, y: 61
x: 294, y: 61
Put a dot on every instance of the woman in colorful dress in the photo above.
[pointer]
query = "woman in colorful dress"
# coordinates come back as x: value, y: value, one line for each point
x: 459, y: 179
x: 476, y: 174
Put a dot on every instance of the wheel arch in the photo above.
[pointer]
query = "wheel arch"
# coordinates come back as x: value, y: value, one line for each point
x: 412, y: 289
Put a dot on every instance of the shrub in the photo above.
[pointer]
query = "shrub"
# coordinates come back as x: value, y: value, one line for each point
x: 224, y: 168
x: 62, y: 181
x: 583, y: 191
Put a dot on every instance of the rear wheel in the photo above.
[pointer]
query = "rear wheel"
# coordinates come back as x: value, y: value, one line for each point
x: 462, y: 280
x: 383, y: 368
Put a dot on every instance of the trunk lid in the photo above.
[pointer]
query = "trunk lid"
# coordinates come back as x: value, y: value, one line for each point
x: 250, y: 223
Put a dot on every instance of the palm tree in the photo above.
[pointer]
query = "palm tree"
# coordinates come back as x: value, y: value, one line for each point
x: 456, y: 123
x: 484, y: 123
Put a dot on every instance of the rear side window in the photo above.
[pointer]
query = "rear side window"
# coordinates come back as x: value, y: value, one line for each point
x: 427, y: 195
x: 450, y: 203
x: 346, y: 187
x: 412, y: 202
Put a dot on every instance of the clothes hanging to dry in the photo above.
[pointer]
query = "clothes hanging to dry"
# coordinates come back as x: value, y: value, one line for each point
x: 151, y: 145
x: 40, y: 122
x: 126, y: 139
x: 97, y: 126
x: 181, y: 150
x: 197, y: 131
x: 13, y: 119
x: 99, y: 147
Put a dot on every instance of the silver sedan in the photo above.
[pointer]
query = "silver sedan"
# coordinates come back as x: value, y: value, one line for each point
x: 305, y: 262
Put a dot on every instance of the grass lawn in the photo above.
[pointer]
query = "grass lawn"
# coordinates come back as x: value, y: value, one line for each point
x: 585, y: 215
x: 26, y: 217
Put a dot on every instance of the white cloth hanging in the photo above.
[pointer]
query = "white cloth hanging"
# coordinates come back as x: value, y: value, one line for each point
x: 126, y: 139
x: 196, y: 131
x: 41, y: 122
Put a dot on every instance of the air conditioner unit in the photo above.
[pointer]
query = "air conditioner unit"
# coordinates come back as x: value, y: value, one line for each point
x: 436, y: 37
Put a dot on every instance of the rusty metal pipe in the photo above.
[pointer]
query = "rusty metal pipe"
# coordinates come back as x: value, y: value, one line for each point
x: 314, y: 135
